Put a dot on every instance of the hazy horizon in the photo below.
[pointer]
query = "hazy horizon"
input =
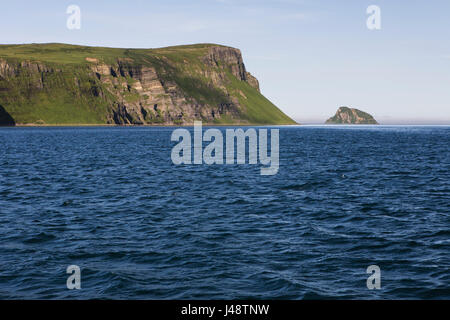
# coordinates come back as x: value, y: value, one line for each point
x: 381, y: 121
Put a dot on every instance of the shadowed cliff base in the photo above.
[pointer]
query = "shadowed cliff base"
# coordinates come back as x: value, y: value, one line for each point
x: 5, y: 118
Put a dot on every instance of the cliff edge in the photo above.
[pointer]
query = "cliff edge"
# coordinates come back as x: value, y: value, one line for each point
x: 68, y: 84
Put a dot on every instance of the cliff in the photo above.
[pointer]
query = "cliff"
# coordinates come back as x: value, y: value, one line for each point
x: 346, y: 115
x: 67, y: 84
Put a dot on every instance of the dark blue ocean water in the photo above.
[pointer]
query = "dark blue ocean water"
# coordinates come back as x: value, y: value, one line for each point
x: 110, y: 201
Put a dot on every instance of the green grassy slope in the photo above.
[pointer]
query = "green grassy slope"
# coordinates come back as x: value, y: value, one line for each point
x: 61, y: 102
x: 70, y: 92
x: 258, y: 108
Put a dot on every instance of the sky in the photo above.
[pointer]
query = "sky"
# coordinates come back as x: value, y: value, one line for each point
x: 310, y: 56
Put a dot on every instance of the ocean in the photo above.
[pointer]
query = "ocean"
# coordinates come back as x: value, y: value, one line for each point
x: 110, y: 200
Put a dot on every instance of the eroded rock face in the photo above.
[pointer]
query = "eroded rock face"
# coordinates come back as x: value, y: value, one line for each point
x: 160, y: 101
x: 160, y: 87
x: 31, y: 73
x: 346, y: 115
x: 252, y: 81
x: 227, y: 58
x: 13, y: 69
x: 231, y: 58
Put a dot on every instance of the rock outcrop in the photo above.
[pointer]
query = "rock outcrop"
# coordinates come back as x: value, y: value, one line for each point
x: 346, y: 115
x: 64, y: 84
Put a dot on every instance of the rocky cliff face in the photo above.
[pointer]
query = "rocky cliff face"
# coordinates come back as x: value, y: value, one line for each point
x: 346, y: 115
x: 174, y: 85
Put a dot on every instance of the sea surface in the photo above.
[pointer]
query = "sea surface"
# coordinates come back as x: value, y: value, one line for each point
x: 110, y: 200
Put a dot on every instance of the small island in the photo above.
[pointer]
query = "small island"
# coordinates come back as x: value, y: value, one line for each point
x: 346, y: 115
x: 62, y: 84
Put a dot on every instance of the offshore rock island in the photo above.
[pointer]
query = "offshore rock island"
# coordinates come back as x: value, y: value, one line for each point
x: 346, y: 115
x: 61, y: 84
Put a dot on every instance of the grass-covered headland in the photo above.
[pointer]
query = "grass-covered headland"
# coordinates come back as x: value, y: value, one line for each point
x: 51, y: 84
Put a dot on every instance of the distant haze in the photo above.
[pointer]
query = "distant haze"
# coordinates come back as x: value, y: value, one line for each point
x: 311, y: 56
x: 381, y: 121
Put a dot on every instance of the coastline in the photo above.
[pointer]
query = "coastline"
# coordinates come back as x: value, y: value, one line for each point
x: 224, y: 125
x: 145, y: 125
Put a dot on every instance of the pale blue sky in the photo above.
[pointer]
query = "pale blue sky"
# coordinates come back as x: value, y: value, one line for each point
x: 311, y: 56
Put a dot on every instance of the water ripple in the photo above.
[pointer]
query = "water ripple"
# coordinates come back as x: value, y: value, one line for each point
x: 111, y: 201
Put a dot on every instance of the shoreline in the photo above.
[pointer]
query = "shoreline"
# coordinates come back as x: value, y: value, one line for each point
x: 220, y: 125
x: 142, y: 125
